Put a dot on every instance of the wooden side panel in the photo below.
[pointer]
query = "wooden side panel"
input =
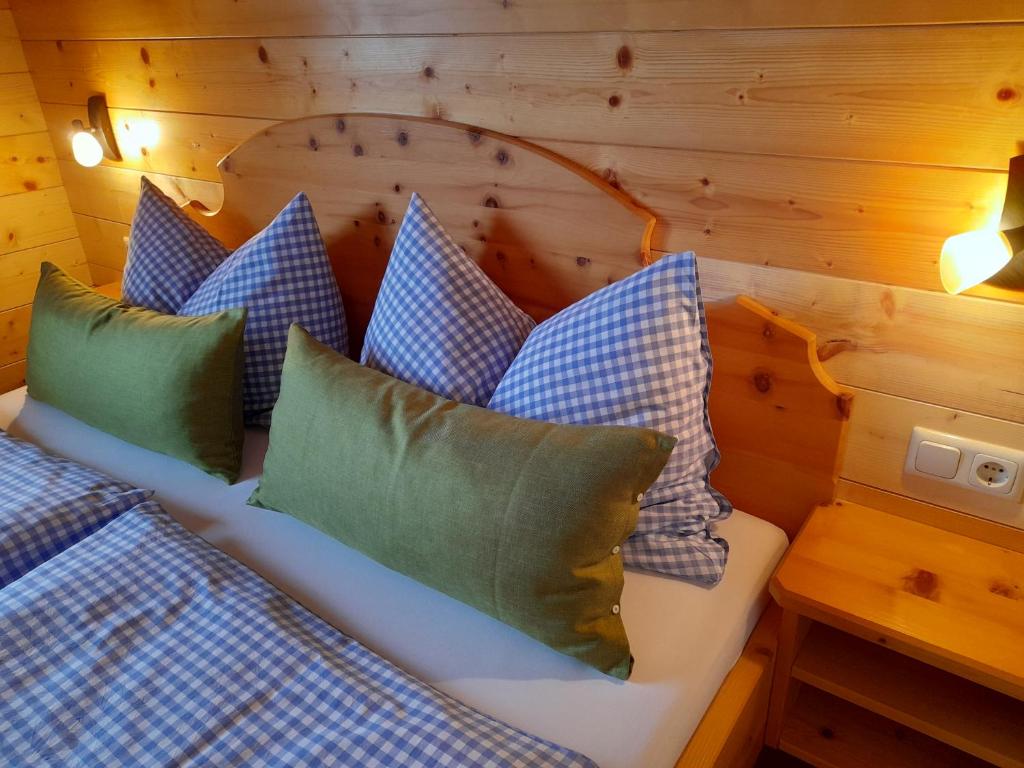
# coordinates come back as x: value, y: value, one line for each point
x: 778, y: 417
x: 261, y: 18
x: 757, y: 91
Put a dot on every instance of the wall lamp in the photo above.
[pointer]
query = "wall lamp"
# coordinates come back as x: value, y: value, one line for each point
x: 90, y: 145
x: 992, y: 256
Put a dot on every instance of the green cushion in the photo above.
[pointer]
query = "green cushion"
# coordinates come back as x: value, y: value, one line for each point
x: 521, y: 519
x: 170, y: 384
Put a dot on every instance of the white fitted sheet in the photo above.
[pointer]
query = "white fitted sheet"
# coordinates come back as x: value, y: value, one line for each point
x: 685, y: 638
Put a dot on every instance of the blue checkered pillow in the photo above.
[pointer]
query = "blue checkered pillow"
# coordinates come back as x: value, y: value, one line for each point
x: 47, y: 504
x: 439, y: 322
x: 283, y: 276
x: 636, y: 353
x: 169, y: 255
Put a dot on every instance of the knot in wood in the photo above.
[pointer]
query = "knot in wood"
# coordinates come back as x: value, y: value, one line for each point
x: 624, y: 58
x: 762, y: 381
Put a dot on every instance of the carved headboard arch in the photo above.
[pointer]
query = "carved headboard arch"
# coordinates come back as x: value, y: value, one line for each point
x: 549, y: 232
x: 532, y: 219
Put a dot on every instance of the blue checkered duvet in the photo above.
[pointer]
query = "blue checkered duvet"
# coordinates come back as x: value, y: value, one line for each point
x: 48, y: 503
x: 143, y: 645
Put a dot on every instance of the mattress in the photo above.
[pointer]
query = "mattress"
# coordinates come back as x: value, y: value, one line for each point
x: 685, y: 638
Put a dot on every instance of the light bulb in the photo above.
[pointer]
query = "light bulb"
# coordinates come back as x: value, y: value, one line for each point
x: 972, y: 257
x: 86, y: 149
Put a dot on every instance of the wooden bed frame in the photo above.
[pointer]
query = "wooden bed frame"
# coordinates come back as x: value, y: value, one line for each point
x: 550, y: 232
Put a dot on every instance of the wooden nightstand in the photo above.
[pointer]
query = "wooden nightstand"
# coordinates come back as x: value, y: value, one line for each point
x: 901, y: 645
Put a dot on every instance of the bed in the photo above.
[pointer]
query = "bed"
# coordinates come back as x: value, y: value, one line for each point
x: 698, y: 694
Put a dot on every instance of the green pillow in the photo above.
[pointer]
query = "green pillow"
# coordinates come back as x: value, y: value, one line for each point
x: 520, y: 519
x: 170, y: 384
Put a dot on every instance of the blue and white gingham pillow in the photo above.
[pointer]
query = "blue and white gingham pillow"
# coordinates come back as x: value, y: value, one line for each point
x: 47, y: 504
x: 439, y: 322
x: 636, y: 353
x: 169, y: 255
x: 283, y: 276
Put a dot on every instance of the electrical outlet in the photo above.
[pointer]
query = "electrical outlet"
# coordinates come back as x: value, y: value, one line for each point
x: 993, y: 473
x: 971, y: 464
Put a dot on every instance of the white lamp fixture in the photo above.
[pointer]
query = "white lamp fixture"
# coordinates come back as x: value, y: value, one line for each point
x: 993, y: 256
x: 91, y: 145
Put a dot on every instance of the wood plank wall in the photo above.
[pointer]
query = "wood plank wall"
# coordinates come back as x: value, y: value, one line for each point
x: 814, y: 154
x: 36, y: 223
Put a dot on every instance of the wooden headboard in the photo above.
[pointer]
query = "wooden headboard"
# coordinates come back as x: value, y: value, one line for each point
x: 548, y: 232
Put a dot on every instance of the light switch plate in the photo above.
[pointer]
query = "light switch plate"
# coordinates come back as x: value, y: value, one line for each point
x: 937, y: 459
x: 994, y: 470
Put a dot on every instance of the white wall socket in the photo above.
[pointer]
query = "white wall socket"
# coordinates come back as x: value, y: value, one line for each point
x: 981, y: 467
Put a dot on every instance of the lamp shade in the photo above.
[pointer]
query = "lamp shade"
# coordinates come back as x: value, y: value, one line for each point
x: 86, y: 148
x: 993, y: 256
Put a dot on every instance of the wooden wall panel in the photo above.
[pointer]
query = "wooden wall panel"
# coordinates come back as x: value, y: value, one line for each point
x: 19, y: 108
x: 48, y: 19
x: 32, y: 219
x: 36, y: 223
x: 877, y: 444
x: 827, y: 92
x: 954, y: 351
x: 19, y: 271
x: 103, y: 241
x: 868, y: 221
x: 14, y: 325
x: 27, y: 163
x: 814, y: 154
x: 11, y: 57
x: 112, y: 193
x: 173, y: 143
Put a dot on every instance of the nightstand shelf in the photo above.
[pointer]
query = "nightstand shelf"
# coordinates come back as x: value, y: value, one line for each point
x: 949, y: 708
x: 831, y: 733
x: 901, y: 640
